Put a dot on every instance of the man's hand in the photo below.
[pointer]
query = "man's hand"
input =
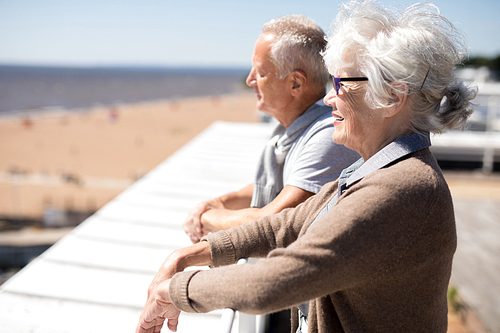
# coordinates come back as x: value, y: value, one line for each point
x: 158, y: 308
x: 192, y: 225
x: 216, y: 219
x: 234, y: 209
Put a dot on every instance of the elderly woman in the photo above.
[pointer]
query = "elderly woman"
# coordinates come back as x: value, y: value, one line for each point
x: 372, y: 251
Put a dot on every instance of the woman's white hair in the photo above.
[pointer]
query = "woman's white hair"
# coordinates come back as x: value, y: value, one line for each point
x: 298, y: 45
x: 417, y: 48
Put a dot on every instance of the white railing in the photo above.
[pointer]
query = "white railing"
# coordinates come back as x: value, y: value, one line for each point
x: 490, y: 105
x: 227, y: 320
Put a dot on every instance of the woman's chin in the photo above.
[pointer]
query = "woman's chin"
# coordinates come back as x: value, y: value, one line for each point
x: 340, y: 140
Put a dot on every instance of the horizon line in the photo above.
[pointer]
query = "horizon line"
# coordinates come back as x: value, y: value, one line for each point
x: 127, y: 66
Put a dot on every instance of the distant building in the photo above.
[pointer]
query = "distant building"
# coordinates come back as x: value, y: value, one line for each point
x: 478, y: 75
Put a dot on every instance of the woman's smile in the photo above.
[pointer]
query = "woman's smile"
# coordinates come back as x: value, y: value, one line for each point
x: 338, y: 119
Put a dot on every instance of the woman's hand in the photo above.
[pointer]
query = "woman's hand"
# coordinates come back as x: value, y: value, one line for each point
x: 170, y: 266
x: 159, y: 308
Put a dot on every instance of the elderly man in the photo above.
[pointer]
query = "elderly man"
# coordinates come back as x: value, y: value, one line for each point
x: 289, y: 79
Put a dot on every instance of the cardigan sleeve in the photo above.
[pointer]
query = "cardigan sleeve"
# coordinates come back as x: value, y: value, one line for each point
x: 380, y: 227
x: 257, y: 238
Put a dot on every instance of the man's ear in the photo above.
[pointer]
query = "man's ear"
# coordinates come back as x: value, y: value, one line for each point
x: 398, y: 100
x: 298, y: 81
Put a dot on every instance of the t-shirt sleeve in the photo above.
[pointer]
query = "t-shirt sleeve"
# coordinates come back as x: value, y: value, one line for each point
x: 315, y: 159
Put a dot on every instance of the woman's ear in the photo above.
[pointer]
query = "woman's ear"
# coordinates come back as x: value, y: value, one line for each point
x: 398, y: 98
x: 298, y: 81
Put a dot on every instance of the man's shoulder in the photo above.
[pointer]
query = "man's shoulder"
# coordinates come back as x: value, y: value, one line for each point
x: 323, y: 122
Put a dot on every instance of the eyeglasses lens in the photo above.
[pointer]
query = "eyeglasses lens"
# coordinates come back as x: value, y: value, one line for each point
x: 336, y: 83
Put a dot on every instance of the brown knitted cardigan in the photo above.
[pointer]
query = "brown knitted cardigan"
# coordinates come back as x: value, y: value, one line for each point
x: 378, y: 261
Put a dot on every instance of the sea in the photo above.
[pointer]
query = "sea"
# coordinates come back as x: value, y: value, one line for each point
x: 38, y: 88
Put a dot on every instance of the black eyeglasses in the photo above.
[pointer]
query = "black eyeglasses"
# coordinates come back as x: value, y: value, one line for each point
x: 337, y: 80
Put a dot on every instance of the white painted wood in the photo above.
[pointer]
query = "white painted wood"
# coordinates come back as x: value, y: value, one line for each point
x: 95, y: 279
x: 22, y: 314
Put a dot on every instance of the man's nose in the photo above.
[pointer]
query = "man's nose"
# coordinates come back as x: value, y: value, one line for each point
x: 250, y: 81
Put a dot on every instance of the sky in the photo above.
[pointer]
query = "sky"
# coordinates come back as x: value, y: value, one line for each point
x: 184, y: 33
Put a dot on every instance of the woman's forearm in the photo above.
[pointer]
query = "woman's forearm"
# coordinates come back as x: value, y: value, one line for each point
x: 194, y: 255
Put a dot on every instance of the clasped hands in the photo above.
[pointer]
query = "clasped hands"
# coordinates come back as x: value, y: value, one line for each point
x: 198, y: 223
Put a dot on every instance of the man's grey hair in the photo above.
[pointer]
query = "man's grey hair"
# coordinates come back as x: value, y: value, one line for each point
x: 416, y: 48
x: 297, y: 45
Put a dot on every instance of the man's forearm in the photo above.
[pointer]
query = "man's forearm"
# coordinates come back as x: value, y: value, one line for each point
x: 237, y: 200
x: 223, y: 219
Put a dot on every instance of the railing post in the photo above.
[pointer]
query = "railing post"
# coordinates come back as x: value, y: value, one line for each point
x: 227, y: 320
x: 489, y: 150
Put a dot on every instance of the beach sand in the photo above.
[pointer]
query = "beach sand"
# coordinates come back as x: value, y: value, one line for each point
x: 80, y: 160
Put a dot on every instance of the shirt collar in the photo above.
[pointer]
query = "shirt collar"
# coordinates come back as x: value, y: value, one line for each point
x: 395, y: 150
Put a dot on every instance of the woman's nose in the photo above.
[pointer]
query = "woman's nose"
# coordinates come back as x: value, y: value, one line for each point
x: 330, y: 98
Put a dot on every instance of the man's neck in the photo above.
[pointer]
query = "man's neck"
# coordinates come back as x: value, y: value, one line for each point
x: 297, y: 109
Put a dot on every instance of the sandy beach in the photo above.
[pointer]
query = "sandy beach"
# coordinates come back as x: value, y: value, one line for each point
x: 80, y: 160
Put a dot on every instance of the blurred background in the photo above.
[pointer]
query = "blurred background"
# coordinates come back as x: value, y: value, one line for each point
x: 94, y: 94
x: 182, y: 33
